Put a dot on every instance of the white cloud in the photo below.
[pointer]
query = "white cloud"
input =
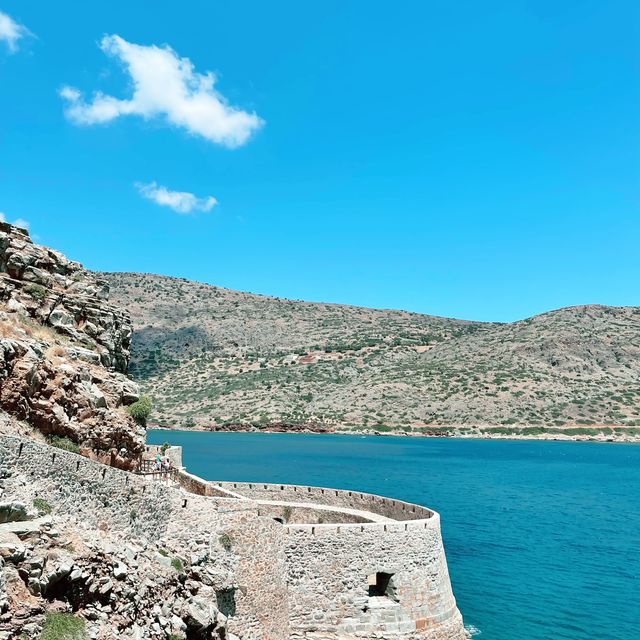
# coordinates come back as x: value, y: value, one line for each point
x: 180, y: 201
x: 70, y: 94
x: 164, y: 85
x: 23, y: 224
x: 11, y: 32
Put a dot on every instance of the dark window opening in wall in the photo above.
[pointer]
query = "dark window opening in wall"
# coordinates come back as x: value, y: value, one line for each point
x: 381, y: 585
x: 280, y: 520
x: 226, y: 602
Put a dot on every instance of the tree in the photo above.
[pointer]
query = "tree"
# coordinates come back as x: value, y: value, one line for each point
x: 140, y: 410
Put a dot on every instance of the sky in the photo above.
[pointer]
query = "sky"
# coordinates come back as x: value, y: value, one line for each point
x: 479, y: 160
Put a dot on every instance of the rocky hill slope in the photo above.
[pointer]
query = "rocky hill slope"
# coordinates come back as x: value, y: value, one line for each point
x: 215, y: 358
x: 64, y: 353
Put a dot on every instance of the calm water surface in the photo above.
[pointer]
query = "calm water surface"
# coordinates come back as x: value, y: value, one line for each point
x: 542, y: 538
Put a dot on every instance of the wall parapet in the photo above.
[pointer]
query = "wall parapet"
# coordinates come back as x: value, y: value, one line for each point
x: 392, y: 527
x: 398, y: 510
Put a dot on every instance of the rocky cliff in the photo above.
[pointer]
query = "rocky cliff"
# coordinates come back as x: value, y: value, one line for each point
x: 64, y: 352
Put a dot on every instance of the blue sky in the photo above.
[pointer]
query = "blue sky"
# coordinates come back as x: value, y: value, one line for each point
x: 470, y: 159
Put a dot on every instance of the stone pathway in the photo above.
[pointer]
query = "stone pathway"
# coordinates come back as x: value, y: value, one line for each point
x: 371, y: 517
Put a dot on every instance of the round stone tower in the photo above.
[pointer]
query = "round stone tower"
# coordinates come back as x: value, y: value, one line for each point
x: 360, y: 565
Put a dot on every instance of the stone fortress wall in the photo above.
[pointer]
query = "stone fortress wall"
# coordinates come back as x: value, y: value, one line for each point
x: 360, y: 563
x: 373, y: 504
x: 111, y: 499
x: 308, y: 562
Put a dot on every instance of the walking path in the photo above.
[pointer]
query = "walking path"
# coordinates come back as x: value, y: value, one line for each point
x: 367, y: 515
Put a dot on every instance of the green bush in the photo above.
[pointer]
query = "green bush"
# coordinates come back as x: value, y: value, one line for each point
x: 62, y: 442
x: 63, y: 626
x: 140, y: 410
x: 226, y: 541
x: 36, y: 291
x: 43, y: 507
x: 176, y: 563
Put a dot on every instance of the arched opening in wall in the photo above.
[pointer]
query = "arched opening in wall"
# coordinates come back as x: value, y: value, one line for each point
x: 280, y: 520
x: 381, y: 585
x: 226, y: 602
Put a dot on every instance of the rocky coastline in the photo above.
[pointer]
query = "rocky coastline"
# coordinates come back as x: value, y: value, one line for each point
x: 613, y: 434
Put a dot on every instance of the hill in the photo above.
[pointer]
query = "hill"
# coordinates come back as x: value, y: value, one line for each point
x: 211, y: 357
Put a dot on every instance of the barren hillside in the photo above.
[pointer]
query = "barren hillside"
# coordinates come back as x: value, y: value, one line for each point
x: 212, y: 357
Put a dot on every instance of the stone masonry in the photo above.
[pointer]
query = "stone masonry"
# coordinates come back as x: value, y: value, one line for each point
x: 304, y: 562
x: 384, y: 576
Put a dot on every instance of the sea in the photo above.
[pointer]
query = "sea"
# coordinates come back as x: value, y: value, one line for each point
x: 542, y: 537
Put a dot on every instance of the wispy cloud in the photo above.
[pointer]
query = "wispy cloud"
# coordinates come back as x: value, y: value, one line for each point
x: 164, y: 85
x: 23, y: 224
x: 181, y: 202
x: 11, y: 31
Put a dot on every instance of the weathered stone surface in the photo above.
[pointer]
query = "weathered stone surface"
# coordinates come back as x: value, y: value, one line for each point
x: 113, y: 529
x: 60, y: 293
x: 64, y: 352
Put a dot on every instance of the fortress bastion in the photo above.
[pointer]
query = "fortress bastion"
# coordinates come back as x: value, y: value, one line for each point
x: 310, y: 562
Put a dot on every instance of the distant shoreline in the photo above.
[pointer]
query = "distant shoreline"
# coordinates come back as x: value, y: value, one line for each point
x: 475, y: 433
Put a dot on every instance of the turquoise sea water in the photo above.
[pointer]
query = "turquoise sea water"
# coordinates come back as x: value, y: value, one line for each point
x: 542, y: 538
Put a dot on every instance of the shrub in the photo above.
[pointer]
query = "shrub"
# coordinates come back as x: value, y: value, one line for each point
x: 63, y: 626
x: 226, y: 541
x: 57, y: 350
x: 43, y: 507
x: 62, y: 442
x: 140, y: 410
x: 287, y: 511
x: 36, y: 291
x: 176, y: 563
x: 164, y: 447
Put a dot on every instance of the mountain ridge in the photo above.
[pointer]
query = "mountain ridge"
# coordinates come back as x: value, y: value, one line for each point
x: 218, y: 358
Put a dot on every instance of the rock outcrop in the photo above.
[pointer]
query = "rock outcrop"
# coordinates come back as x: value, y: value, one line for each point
x: 64, y: 352
x: 150, y: 590
x: 42, y: 284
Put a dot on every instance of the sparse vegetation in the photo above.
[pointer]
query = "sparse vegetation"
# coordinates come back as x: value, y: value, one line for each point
x: 43, y: 507
x: 62, y: 442
x: 302, y: 364
x: 36, y: 291
x: 177, y: 564
x: 63, y: 626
